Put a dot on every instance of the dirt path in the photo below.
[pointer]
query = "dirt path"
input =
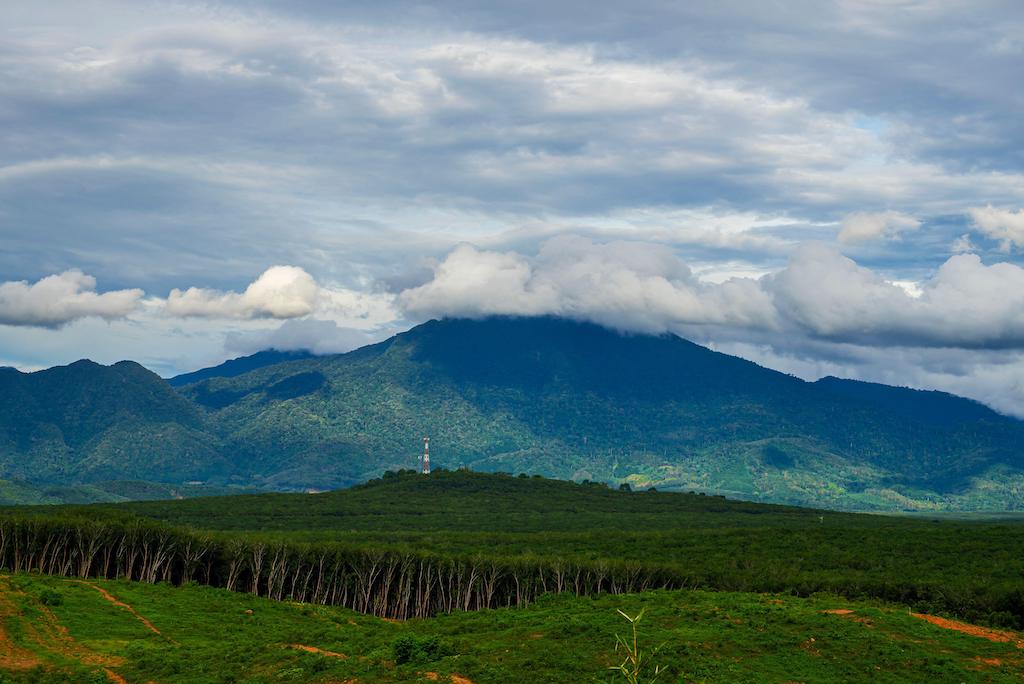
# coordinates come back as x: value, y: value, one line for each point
x: 974, y: 630
x: 114, y: 677
x: 12, y: 656
x: 318, y: 651
x: 118, y: 602
x: 50, y: 635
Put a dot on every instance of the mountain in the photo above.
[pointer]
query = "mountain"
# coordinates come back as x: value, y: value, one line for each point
x: 85, y: 423
x: 571, y: 399
x: 929, y: 406
x: 17, y: 493
x: 242, y: 364
x: 537, y: 395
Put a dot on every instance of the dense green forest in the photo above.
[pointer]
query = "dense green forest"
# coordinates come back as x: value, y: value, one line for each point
x: 537, y: 395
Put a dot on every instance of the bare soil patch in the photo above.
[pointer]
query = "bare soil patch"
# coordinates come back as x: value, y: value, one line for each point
x: 997, y: 635
x: 318, y: 651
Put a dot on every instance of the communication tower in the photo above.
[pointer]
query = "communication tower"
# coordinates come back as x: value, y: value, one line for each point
x: 426, y: 455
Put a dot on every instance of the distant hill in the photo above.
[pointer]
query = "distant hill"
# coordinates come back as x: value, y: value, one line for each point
x: 242, y: 364
x: 536, y: 395
x: 17, y: 493
x: 86, y: 423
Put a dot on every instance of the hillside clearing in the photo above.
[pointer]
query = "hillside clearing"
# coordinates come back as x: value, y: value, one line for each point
x: 220, y: 636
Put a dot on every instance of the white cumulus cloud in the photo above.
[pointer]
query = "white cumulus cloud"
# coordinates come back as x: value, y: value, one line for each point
x: 280, y: 292
x: 61, y: 298
x: 1003, y: 225
x: 646, y: 287
x: 628, y: 285
x: 863, y: 226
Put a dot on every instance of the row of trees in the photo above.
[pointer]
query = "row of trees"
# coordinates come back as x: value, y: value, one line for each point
x: 385, y: 583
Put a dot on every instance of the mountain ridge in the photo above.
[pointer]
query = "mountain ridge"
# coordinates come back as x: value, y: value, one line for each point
x: 239, y: 365
x: 84, y: 421
x: 540, y: 395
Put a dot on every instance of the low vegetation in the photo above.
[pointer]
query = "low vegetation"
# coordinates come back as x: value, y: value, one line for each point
x: 129, y: 631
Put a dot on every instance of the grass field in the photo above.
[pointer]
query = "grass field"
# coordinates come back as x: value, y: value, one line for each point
x: 57, y: 629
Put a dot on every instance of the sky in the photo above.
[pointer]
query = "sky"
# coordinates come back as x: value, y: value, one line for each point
x: 826, y: 188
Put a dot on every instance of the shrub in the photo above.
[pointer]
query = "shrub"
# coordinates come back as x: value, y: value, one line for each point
x: 49, y: 597
x: 403, y: 649
x: 409, y: 649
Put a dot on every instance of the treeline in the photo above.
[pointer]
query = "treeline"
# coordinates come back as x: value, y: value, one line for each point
x: 385, y: 583
x: 402, y: 583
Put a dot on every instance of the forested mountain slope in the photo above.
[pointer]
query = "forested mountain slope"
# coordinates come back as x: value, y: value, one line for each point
x: 85, y: 423
x: 243, y: 364
x: 577, y: 400
x: 536, y: 395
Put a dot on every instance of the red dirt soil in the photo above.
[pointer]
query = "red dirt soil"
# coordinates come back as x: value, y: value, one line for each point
x: 114, y: 677
x: 974, y: 630
x: 455, y: 678
x: 318, y: 651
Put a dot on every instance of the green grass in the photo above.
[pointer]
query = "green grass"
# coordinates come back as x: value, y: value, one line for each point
x: 208, y: 635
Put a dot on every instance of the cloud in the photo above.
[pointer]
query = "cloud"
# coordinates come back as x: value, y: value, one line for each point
x: 819, y: 294
x: 280, y: 292
x: 309, y: 334
x: 1003, y: 225
x: 287, y: 135
x: 962, y: 244
x: 993, y: 377
x: 628, y: 285
x: 868, y: 226
x: 177, y: 144
x: 964, y: 304
x: 829, y: 295
x: 59, y: 299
